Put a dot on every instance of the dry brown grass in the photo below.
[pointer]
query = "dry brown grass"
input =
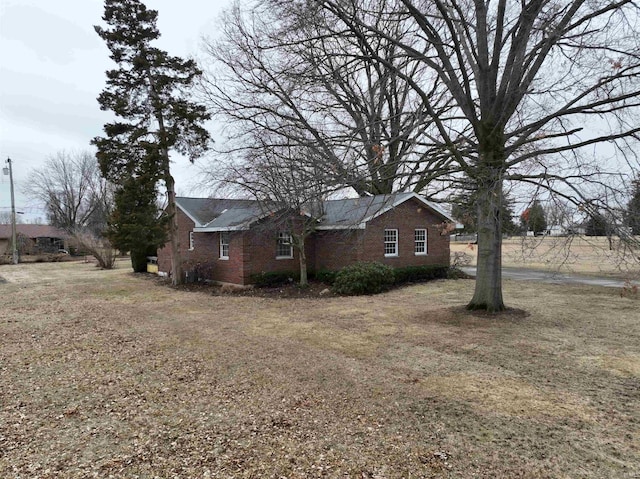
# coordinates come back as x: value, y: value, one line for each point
x: 584, y: 255
x: 108, y: 374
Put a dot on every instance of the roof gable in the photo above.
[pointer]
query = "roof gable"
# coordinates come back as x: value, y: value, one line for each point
x: 204, y: 211
x: 221, y: 214
x: 356, y: 212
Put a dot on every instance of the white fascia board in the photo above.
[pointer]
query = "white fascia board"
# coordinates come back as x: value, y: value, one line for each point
x: 359, y: 226
x: 434, y: 206
x: 216, y: 229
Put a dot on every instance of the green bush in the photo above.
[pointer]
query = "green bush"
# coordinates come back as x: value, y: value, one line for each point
x: 457, y: 273
x: 325, y: 276
x: 363, y: 278
x: 267, y: 279
x: 413, y: 274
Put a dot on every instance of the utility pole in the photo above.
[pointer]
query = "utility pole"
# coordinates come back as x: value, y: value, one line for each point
x: 13, y: 213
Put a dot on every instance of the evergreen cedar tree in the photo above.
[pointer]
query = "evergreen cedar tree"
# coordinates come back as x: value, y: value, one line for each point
x: 148, y: 92
x: 533, y: 218
x: 597, y: 225
x: 465, y: 210
x: 135, y: 224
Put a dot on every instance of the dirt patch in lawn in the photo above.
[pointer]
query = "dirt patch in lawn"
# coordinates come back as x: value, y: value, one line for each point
x: 108, y: 374
x: 292, y: 290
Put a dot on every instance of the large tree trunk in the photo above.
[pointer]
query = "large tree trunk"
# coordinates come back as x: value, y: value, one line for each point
x: 488, y: 292
x: 177, y: 276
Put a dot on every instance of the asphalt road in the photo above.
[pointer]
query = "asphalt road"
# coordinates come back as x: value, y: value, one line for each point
x: 524, y: 274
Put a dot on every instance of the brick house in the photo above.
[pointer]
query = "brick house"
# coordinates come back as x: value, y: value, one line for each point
x: 234, y: 239
x: 32, y: 239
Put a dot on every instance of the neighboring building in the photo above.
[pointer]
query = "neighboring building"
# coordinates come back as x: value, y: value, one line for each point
x: 32, y: 239
x: 234, y: 239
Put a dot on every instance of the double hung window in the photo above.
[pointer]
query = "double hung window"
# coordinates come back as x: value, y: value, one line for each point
x: 420, y: 242
x: 284, y: 246
x: 224, y: 245
x: 390, y: 243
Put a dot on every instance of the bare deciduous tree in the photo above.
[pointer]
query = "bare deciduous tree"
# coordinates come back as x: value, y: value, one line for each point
x: 5, y: 218
x: 289, y: 192
x: 632, y: 210
x: 97, y: 246
x: 281, y: 70
x: 74, y: 194
x: 536, y: 87
x: 78, y: 200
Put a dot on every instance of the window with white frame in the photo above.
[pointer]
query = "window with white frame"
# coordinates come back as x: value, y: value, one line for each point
x: 284, y: 247
x: 224, y: 245
x: 191, y: 243
x: 391, y: 242
x: 420, y: 241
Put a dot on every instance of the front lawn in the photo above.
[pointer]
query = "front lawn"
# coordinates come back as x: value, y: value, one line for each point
x: 108, y: 374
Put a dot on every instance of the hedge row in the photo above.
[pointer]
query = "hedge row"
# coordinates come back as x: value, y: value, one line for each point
x: 277, y: 278
x: 274, y: 278
x: 358, y: 278
x: 413, y: 274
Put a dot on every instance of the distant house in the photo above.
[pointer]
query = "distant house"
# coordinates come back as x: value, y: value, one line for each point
x: 235, y: 239
x: 32, y: 239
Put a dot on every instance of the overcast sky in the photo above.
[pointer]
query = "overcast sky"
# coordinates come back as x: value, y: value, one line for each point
x: 52, y: 68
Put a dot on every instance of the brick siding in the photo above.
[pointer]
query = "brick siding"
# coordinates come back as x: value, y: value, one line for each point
x: 260, y: 249
x: 254, y: 251
x: 337, y: 248
x: 406, y: 218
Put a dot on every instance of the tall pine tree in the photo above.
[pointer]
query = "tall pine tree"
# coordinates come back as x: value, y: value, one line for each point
x: 149, y: 93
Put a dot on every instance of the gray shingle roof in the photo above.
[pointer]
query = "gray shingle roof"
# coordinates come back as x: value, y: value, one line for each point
x: 354, y: 211
x: 220, y: 213
x: 225, y: 214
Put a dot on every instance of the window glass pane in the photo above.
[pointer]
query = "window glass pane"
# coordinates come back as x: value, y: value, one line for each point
x: 284, y: 248
x: 390, y: 242
x: 420, y: 241
x: 224, y: 244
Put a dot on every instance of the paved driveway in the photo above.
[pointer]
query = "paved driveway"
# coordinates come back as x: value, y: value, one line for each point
x: 553, y: 277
